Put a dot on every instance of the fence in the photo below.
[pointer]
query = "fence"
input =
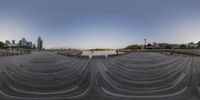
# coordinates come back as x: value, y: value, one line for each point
x: 195, y: 52
x: 12, y: 52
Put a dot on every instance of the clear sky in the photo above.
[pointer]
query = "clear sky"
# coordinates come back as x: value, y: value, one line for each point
x: 100, y: 23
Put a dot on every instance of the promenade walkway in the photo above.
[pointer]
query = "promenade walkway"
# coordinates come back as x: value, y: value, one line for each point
x: 133, y: 76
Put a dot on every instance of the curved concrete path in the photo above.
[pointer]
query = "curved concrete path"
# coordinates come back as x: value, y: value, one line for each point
x: 134, y: 76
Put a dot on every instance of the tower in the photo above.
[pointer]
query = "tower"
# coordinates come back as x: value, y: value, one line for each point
x: 145, y: 41
x: 39, y: 43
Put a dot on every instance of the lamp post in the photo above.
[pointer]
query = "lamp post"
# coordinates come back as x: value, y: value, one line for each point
x: 145, y: 42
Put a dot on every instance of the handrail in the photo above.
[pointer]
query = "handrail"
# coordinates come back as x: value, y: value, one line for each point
x: 195, y: 52
x: 13, y: 52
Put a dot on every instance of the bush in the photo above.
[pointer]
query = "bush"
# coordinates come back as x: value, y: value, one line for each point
x: 2, y: 44
x: 133, y: 47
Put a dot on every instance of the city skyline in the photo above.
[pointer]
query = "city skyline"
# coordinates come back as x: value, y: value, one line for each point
x: 23, y: 43
x: 100, y: 23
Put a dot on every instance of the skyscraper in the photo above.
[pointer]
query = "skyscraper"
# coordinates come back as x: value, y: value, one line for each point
x: 39, y: 43
x: 13, y: 42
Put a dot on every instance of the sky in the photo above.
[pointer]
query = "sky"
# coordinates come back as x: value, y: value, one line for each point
x: 100, y: 23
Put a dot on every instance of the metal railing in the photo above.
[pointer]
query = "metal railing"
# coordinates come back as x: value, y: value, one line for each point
x: 13, y: 52
x: 195, y: 52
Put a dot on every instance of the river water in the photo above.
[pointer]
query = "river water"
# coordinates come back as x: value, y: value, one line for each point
x: 91, y: 53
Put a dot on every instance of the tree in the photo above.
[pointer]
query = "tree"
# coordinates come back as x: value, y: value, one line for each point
x: 198, y: 44
x: 168, y: 47
x: 183, y: 46
x: 149, y: 44
x: 2, y: 44
x: 133, y: 47
x: 191, y: 43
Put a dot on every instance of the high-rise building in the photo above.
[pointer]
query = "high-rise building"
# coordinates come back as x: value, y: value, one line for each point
x: 13, y: 42
x: 14, y: 45
x: 39, y: 43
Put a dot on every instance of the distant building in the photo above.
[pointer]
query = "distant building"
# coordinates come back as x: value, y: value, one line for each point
x: 34, y: 47
x: 23, y: 43
x: 192, y: 45
x: 30, y: 45
x: 13, y: 42
x: 155, y: 45
x: 175, y: 46
x: 7, y: 42
x: 160, y: 45
x: 14, y: 45
x: 39, y: 43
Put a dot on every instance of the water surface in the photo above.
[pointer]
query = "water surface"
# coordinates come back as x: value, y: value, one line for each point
x: 91, y: 53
